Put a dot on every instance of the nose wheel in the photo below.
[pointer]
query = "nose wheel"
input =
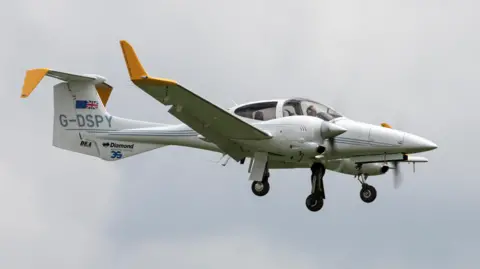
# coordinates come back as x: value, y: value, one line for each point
x: 367, y: 193
x: 314, y: 201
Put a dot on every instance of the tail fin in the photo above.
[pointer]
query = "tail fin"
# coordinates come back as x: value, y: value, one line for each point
x: 80, y: 113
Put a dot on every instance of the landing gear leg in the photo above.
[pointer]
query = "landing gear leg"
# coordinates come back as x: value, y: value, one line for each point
x: 368, y: 192
x: 261, y: 188
x: 314, y: 201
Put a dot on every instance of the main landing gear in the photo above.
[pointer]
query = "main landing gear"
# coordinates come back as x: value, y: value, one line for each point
x: 314, y: 201
x: 261, y: 188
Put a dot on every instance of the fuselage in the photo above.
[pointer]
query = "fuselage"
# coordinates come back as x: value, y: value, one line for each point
x: 295, y: 140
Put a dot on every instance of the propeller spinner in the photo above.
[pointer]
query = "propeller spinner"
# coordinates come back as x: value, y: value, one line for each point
x: 329, y: 131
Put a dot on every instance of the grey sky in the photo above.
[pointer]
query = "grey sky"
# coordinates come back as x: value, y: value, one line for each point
x: 413, y: 64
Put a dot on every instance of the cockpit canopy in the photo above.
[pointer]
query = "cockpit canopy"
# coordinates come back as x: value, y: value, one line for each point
x: 268, y: 110
x: 310, y: 108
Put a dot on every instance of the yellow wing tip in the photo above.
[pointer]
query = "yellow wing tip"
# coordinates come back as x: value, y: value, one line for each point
x: 386, y: 125
x: 135, y: 68
x: 32, y: 79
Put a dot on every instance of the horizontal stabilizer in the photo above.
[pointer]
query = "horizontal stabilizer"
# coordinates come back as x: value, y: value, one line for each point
x: 33, y: 77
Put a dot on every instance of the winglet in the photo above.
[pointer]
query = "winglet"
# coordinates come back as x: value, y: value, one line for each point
x: 135, y: 68
x: 32, y: 79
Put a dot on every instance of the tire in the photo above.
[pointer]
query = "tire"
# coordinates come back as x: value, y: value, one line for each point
x: 368, y: 193
x: 314, y: 202
x: 260, y: 188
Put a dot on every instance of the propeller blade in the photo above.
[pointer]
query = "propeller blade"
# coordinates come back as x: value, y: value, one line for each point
x: 397, y: 176
x: 331, y: 141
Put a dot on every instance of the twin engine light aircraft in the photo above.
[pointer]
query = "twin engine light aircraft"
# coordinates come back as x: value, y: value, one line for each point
x: 272, y: 134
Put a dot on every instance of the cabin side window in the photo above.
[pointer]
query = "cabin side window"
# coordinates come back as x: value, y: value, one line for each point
x: 258, y: 111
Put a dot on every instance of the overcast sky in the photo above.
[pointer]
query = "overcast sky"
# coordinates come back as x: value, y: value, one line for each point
x: 413, y: 64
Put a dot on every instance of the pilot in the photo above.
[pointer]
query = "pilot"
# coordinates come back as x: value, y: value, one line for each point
x: 311, y: 111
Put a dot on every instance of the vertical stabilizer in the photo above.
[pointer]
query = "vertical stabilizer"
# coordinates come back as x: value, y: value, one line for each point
x: 80, y: 113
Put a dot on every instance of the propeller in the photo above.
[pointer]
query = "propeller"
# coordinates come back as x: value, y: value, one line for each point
x: 397, y: 175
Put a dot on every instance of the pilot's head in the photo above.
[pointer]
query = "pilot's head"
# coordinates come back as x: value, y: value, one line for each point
x: 311, y: 111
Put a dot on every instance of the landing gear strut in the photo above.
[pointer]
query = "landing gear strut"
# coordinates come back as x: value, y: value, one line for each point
x: 261, y: 188
x: 314, y: 201
x: 368, y: 192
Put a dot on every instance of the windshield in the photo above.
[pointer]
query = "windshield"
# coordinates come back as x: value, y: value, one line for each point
x: 309, y: 108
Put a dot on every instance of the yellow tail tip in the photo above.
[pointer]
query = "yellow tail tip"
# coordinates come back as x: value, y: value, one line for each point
x: 386, y: 125
x: 32, y: 79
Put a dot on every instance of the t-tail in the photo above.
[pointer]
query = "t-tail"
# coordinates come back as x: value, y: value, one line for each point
x: 80, y: 116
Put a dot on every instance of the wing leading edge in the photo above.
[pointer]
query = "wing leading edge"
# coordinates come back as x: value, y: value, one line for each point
x: 216, y: 124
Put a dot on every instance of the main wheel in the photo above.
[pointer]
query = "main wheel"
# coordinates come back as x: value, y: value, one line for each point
x: 368, y: 193
x: 314, y: 202
x: 260, y: 188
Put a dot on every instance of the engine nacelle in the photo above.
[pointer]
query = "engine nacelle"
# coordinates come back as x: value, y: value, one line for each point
x: 310, y: 149
x: 374, y: 169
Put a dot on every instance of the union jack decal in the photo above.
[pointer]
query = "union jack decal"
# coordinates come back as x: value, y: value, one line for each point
x: 86, y: 104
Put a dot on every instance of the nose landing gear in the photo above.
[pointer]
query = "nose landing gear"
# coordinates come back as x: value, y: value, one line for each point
x: 314, y: 201
x: 367, y: 193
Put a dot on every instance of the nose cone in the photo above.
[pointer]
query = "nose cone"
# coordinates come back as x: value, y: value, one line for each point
x: 329, y: 129
x: 415, y: 143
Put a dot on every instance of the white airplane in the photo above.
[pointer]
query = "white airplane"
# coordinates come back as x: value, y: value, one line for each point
x: 272, y: 134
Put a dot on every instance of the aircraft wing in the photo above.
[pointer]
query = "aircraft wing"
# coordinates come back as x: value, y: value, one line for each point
x: 214, y: 123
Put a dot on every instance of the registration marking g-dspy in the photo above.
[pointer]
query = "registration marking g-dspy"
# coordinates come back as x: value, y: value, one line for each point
x: 88, y: 120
